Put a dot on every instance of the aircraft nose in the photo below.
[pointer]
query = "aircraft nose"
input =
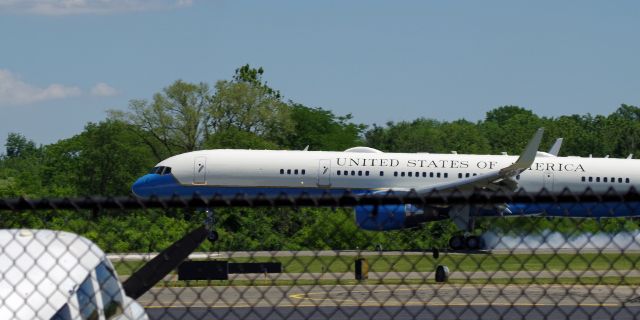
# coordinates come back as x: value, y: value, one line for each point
x: 137, y: 187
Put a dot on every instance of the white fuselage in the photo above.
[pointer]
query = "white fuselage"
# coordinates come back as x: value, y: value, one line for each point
x: 381, y: 171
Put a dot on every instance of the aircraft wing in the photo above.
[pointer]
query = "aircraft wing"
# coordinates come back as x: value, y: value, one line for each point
x: 499, y: 178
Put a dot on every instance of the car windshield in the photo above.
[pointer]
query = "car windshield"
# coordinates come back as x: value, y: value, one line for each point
x: 110, y: 291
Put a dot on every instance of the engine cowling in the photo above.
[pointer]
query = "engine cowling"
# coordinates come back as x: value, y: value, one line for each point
x: 394, y: 217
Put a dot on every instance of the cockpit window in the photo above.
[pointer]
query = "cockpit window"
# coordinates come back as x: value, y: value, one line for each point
x: 160, y: 170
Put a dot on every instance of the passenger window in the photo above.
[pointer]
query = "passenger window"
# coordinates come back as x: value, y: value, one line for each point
x: 417, y: 174
x: 281, y: 171
x: 110, y: 291
x: 590, y: 179
x: 288, y: 171
x: 460, y: 175
x: 626, y: 180
x: 430, y: 174
x: 518, y: 177
x: 346, y: 173
x: 353, y: 172
x: 87, y: 300
x: 597, y: 179
x: 303, y: 172
x: 446, y: 174
x: 604, y: 179
x: 475, y: 174
x: 438, y: 174
x: 583, y: 179
x: 619, y: 180
x: 381, y: 173
x: 466, y: 175
x: 613, y: 179
x: 409, y: 173
x: 295, y: 171
x: 360, y: 173
x: 338, y: 173
x: 402, y: 174
x: 424, y: 174
x: 366, y: 173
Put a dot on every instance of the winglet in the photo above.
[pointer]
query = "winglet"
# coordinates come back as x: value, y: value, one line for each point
x: 555, y: 148
x: 528, y: 155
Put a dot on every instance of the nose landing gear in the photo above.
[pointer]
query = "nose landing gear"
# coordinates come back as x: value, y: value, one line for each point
x: 209, y: 223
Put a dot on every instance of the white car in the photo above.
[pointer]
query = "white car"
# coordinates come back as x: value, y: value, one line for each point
x: 46, y: 274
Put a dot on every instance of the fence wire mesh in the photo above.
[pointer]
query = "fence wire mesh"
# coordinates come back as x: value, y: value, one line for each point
x: 455, y: 255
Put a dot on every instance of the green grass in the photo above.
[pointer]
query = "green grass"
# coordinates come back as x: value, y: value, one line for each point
x: 455, y: 262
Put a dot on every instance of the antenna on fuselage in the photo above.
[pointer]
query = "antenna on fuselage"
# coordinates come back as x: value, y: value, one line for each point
x: 454, y: 152
x: 306, y: 148
x: 504, y: 153
x: 630, y: 156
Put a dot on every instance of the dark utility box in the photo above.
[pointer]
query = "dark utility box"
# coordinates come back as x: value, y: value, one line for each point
x: 255, y: 267
x: 362, y: 269
x: 203, y: 270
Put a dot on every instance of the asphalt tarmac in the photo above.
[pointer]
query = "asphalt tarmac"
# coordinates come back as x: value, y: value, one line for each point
x: 441, y: 301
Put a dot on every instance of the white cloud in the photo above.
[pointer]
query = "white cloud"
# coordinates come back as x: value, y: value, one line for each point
x: 103, y: 90
x: 67, y: 7
x: 14, y: 91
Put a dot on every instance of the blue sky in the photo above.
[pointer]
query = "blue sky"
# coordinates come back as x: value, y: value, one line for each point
x: 64, y: 62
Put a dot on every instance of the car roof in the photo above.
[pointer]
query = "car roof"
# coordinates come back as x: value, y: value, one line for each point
x: 41, y: 269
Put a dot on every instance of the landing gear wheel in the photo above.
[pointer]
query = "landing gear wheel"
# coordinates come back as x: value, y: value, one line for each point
x: 473, y: 242
x: 212, y: 236
x: 457, y: 243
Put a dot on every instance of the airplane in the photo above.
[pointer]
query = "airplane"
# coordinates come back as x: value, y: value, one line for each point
x: 364, y: 170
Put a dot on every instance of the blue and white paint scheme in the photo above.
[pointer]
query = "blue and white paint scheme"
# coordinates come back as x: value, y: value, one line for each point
x: 362, y: 169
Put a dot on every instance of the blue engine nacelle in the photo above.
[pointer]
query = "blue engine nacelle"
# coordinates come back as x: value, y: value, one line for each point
x: 393, y: 217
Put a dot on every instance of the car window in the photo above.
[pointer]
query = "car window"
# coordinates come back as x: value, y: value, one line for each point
x: 63, y: 313
x: 87, y: 300
x: 109, y: 290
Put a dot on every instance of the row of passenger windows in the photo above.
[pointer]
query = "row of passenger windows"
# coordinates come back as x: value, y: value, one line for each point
x: 417, y: 174
x: 606, y: 179
x: 293, y: 171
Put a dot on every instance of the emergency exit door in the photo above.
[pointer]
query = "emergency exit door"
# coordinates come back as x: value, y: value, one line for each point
x: 200, y: 170
x: 324, y: 173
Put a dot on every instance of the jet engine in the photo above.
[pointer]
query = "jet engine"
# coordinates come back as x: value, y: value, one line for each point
x: 393, y: 217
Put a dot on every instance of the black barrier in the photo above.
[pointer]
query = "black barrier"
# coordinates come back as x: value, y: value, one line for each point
x: 255, y: 267
x: 203, y: 270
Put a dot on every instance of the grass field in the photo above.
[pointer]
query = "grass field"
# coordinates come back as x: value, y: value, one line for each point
x: 455, y: 262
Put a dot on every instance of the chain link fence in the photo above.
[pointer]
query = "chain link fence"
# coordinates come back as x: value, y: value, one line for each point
x: 518, y: 255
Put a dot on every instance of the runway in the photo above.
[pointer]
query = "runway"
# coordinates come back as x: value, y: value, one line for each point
x: 446, y: 301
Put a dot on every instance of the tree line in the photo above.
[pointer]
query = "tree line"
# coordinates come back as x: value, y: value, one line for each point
x: 245, y: 112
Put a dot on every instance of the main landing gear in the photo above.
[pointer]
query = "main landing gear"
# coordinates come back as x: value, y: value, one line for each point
x: 461, y: 242
x: 466, y: 222
x: 209, y: 223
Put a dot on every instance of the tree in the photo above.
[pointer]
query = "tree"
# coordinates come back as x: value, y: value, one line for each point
x: 19, y: 146
x: 175, y: 121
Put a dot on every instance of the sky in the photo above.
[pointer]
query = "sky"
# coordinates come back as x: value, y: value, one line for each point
x: 64, y: 63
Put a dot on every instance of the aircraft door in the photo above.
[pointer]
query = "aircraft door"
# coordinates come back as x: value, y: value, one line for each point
x: 548, y: 180
x: 200, y: 170
x: 324, y: 173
